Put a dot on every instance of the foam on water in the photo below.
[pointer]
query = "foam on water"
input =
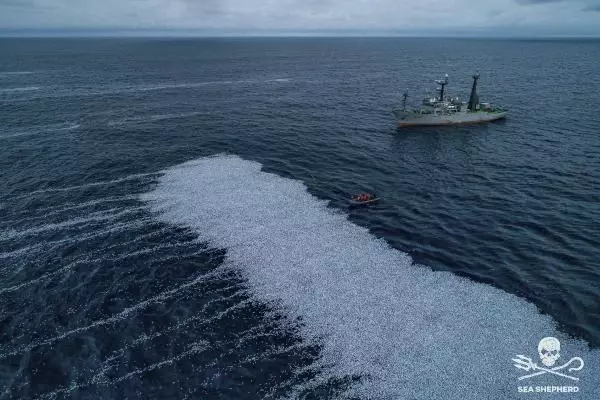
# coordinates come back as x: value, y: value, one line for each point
x: 10, y: 73
x: 84, y: 186
x: 65, y: 92
x: 408, y: 331
x: 20, y: 89
x: 187, y: 85
x: 120, y: 316
x: 72, y: 239
x: 36, y: 130
x: 94, y: 217
x: 152, y: 118
x: 100, y: 379
x: 70, y: 266
x: 67, y: 207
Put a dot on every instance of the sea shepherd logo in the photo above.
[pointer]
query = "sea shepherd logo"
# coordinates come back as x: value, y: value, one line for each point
x: 549, y: 352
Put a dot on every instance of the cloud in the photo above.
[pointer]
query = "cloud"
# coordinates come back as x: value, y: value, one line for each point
x: 17, y: 3
x: 539, y: 1
x: 305, y: 15
x: 585, y: 5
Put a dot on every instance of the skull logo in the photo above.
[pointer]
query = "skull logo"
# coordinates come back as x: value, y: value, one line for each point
x: 549, y: 350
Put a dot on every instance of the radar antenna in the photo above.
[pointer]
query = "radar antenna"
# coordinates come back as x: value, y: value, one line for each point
x: 442, y: 82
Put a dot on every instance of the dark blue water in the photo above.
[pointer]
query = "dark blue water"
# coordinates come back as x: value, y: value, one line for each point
x: 100, y: 298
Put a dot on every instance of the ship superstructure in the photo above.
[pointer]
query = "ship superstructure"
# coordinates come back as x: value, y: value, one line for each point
x: 441, y: 110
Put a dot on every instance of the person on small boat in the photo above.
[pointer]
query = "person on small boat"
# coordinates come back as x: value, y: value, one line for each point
x: 364, y: 197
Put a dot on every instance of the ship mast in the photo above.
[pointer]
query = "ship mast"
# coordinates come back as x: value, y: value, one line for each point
x: 474, y: 99
x: 404, y: 96
x: 442, y: 83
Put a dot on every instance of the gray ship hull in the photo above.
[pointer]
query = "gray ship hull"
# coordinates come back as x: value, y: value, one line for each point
x: 408, y: 119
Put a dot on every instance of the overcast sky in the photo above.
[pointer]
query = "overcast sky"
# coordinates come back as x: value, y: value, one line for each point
x: 458, y: 17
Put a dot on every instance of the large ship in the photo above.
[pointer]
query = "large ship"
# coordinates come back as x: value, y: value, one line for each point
x: 442, y: 110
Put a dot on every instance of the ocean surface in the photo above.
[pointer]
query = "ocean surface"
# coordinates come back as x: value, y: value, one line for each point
x: 174, y: 219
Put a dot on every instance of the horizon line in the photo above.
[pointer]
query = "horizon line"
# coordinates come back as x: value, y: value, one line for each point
x: 165, y: 32
x: 155, y: 35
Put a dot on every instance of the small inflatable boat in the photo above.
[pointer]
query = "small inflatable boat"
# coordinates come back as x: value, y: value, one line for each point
x: 363, y: 198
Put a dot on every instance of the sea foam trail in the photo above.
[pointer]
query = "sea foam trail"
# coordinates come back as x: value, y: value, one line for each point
x: 10, y: 73
x: 152, y: 118
x: 166, y: 295
x: 410, y: 332
x: 84, y: 186
x: 20, y: 89
x: 35, y: 130
x: 99, y: 216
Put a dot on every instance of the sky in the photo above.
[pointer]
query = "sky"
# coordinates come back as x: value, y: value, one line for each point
x: 303, y: 17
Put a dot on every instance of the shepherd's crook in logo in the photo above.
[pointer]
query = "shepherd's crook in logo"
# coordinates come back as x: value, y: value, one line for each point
x: 549, y: 351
